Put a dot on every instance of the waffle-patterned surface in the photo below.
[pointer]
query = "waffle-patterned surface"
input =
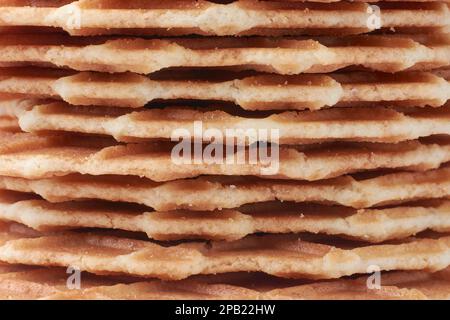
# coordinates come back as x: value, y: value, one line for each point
x: 367, y: 225
x: 29, y: 156
x: 211, y: 193
x: 336, y: 124
x: 280, y: 55
x: 284, y: 256
x: 244, y: 17
x: 262, y: 92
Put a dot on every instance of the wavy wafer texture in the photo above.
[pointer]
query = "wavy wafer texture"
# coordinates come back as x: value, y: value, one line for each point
x: 284, y: 256
x: 285, y: 56
x: 394, y: 285
x: 51, y: 284
x: 245, y: 17
x: 328, y: 290
x: 367, y: 225
x: 211, y: 193
x: 153, y: 291
x: 33, y: 157
x: 40, y: 283
x: 264, y: 92
x: 356, y: 124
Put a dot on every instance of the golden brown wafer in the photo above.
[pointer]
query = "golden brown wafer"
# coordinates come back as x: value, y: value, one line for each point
x: 280, y: 55
x: 366, y: 225
x: 396, y: 284
x: 284, y: 256
x: 355, y: 124
x: 263, y: 92
x: 29, y: 156
x: 211, y: 193
x: 245, y: 17
x: 423, y: 285
x: 51, y: 284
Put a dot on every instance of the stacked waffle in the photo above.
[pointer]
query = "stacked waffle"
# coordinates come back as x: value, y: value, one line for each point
x: 350, y: 179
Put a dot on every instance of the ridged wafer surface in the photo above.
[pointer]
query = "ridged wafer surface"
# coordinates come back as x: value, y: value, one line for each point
x: 285, y: 56
x: 245, y: 17
x: 284, y: 256
x: 29, y: 156
x: 263, y: 92
x: 367, y: 225
x: 348, y: 124
x: 431, y: 285
x: 211, y: 193
x: 52, y: 284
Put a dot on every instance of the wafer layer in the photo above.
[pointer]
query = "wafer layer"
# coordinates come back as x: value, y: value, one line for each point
x: 284, y: 56
x: 263, y: 92
x: 51, y: 284
x: 41, y: 283
x: 355, y: 124
x: 29, y: 156
x: 284, y: 256
x: 87, y: 17
x: 431, y: 285
x: 211, y: 193
x: 367, y: 225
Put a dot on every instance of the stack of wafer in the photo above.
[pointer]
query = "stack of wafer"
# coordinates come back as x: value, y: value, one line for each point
x: 92, y: 93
